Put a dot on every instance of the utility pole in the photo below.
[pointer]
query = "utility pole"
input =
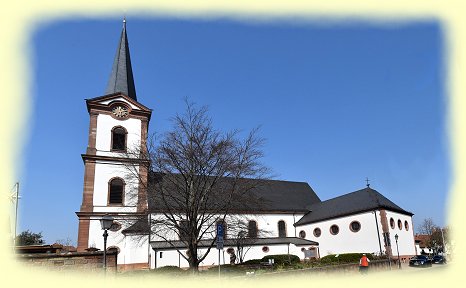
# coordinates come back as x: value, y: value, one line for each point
x: 15, y: 197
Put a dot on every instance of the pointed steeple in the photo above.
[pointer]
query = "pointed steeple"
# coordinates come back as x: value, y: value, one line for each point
x: 121, y: 78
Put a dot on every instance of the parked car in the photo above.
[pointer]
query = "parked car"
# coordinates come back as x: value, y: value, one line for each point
x: 439, y: 259
x: 420, y: 261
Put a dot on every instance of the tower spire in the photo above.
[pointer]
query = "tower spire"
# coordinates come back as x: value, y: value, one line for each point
x: 121, y: 77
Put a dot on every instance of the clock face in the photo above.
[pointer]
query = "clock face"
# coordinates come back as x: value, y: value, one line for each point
x: 120, y: 111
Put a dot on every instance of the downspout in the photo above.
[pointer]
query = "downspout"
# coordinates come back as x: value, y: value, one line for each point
x: 148, y: 241
x: 294, y: 222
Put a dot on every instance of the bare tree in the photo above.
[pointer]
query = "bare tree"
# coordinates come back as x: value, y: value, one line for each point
x: 245, y: 234
x: 427, y: 227
x: 437, y: 236
x: 197, y: 176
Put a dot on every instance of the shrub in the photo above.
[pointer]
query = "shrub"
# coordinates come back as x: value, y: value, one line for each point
x: 282, y: 259
x: 252, y: 262
x: 170, y: 270
x: 344, y: 258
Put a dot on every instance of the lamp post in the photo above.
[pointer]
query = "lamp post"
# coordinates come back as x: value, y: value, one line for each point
x: 106, y: 223
x: 397, y: 251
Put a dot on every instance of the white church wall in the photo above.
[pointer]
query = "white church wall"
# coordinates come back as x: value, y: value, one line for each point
x: 346, y: 241
x: 267, y: 223
x: 136, y: 250
x: 103, y: 173
x: 173, y: 257
x: 366, y: 239
x: 406, y: 243
x: 133, y: 249
x: 105, y: 124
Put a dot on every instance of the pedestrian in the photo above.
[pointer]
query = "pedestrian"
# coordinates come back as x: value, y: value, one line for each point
x: 232, y: 258
x: 364, y: 264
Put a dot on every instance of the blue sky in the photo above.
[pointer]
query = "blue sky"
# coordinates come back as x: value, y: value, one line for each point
x: 336, y: 103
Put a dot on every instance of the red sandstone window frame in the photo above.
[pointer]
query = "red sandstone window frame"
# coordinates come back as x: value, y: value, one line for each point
x: 112, y: 136
x: 110, y: 191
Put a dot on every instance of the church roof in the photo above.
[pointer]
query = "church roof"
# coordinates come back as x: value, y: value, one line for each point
x: 178, y: 244
x: 270, y: 196
x: 363, y: 200
x: 121, y: 77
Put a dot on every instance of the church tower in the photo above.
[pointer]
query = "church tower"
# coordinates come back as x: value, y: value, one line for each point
x: 117, y: 134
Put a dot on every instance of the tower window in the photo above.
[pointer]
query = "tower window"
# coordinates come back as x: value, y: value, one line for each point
x: 281, y: 229
x: 116, y: 191
x: 119, y: 138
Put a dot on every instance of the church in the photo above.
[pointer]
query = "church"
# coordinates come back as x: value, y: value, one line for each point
x: 296, y: 220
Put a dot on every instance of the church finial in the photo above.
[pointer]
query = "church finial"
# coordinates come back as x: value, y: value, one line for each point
x: 367, y: 182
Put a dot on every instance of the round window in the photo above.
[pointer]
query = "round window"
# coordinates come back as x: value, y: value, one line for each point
x: 265, y: 249
x: 355, y: 226
x: 302, y: 234
x: 334, y: 229
x: 230, y: 250
x: 400, y: 225
x: 317, y: 232
x: 115, y: 226
x: 406, y: 225
x: 392, y: 223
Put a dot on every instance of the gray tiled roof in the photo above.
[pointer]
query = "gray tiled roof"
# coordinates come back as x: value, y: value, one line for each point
x: 232, y: 242
x: 363, y: 200
x: 270, y: 196
x: 121, y: 77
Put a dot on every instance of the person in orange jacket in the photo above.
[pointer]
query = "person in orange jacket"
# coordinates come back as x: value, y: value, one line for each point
x: 364, y: 264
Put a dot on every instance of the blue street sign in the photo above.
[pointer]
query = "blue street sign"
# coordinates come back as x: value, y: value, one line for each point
x: 219, y: 230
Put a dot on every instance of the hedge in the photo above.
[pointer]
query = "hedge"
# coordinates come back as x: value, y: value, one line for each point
x: 282, y: 259
x: 345, y: 258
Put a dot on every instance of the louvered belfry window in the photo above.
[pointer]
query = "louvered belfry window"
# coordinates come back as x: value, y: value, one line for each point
x: 119, y: 139
x: 116, y: 191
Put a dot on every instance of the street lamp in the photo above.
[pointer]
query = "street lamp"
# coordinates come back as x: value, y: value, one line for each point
x: 398, y: 251
x: 106, y: 223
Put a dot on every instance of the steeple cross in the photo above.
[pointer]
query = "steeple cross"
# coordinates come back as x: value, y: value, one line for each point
x: 367, y: 182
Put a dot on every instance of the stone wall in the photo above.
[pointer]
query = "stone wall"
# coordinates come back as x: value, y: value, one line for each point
x: 89, y: 261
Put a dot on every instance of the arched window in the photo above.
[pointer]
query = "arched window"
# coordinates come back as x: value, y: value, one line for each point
x: 183, y: 230
x: 281, y: 229
x: 252, y: 229
x: 119, y: 138
x: 116, y: 187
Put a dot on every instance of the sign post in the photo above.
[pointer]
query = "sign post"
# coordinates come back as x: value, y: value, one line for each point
x: 219, y: 242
